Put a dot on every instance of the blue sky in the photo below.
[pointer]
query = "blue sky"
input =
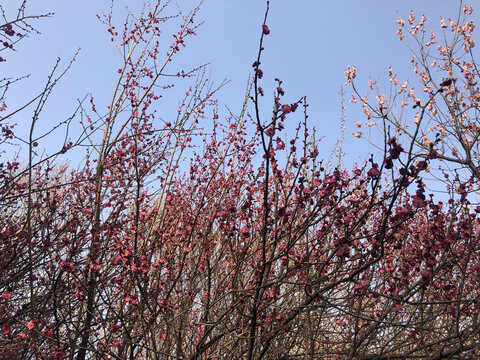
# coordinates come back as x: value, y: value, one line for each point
x: 310, y: 45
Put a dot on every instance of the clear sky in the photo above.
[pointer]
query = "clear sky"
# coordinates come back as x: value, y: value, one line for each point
x: 310, y: 45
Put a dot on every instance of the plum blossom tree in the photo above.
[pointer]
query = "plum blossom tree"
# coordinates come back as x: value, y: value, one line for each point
x: 441, y: 135
x: 257, y: 249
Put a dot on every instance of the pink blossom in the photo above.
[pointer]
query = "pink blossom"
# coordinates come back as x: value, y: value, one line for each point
x: 286, y: 108
x: 6, y: 295
x: 357, y: 134
x: 350, y: 74
x: 374, y: 172
x: 425, y: 274
x: 5, y: 330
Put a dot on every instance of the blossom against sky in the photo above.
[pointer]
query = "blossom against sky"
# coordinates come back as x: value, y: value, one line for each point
x: 310, y: 46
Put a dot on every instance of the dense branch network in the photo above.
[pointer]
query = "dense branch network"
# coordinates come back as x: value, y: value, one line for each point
x: 257, y: 249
